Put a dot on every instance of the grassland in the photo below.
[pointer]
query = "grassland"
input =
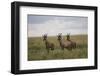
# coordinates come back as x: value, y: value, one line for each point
x: 37, y: 51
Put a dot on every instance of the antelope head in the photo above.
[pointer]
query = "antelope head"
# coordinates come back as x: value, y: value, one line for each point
x: 68, y: 36
x: 59, y: 36
x: 44, y: 37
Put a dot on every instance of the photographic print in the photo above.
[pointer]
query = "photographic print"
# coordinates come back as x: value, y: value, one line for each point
x: 57, y: 37
x: 52, y: 37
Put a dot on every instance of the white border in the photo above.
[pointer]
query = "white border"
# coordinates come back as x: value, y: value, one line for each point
x: 26, y: 65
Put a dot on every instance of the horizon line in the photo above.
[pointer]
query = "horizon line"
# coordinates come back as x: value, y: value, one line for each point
x: 56, y: 35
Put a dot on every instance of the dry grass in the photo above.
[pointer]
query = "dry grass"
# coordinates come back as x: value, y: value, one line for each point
x: 37, y: 51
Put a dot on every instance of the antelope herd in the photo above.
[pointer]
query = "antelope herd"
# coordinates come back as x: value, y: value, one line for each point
x: 68, y: 43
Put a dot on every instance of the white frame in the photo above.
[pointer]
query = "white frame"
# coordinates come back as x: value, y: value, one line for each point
x: 25, y: 64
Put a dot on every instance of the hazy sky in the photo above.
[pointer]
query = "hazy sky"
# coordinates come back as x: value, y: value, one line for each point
x: 52, y: 25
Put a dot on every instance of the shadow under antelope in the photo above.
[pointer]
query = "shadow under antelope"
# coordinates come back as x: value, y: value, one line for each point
x: 49, y: 46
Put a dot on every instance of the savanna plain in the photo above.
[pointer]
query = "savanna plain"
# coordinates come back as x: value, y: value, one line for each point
x: 37, y: 50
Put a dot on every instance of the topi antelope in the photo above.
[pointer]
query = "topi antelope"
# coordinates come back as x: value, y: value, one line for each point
x: 47, y: 43
x: 64, y: 44
x: 73, y: 44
